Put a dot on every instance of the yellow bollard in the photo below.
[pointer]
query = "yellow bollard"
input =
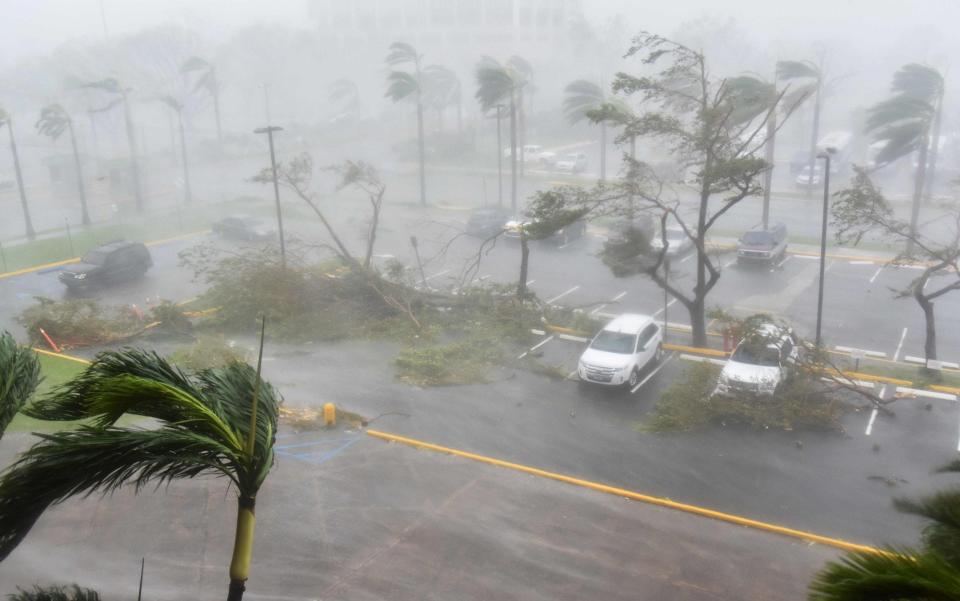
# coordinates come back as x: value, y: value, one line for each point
x: 329, y: 415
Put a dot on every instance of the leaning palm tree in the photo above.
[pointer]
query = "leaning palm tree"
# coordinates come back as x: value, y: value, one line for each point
x: 19, y: 376
x: 220, y: 421
x: 807, y: 78
x: 931, y: 572
x: 403, y: 85
x: 54, y: 120
x: 177, y: 107
x: 523, y: 73
x: 55, y: 593
x: 904, y: 122
x: 208, y: 82
x: 497, y: 84
x: 6, y: 119
x: 442, y: 90
x: 582, y: 97
x: 345, y: 93
x: 926, y: 84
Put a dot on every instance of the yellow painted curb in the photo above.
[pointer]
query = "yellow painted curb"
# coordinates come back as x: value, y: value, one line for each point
x: 563, y: 330
x: 176, y: 238
x: 855, y: 375
x: 60, y: 356
x: 620, y: 492
x: 948, y: 389
x: 694, y: 349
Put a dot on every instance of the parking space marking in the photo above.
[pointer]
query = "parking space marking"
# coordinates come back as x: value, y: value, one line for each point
x: 562, y: 294
x: 573, y: 373
x: 808, y: 257
x: 780, y: 264
x: 829, y: 265
x: 861, y: 262
x: 536, y: 346
x: 896, y: 353
x: 847, y: 349
x: 688, y: 257
x: 438, y: 274
x: 873, y: 416
x: 944, y: 396
x: 809, y: 537
x: 599, y: 308
x: 653, y: 373
x: 729, y: 263
x: 572, y: 338
x: 324, y: 456
x: 688, y: 357
x: 660, y: 310
x: 877, y: 272
x: 529, y: 282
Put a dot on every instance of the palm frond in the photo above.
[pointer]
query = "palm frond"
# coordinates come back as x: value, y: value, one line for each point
x: 749, y: 97
x: 53, y: 121
x: 441, y: 86
x: 171, y: 102
x: 522, y: 67
x: 228, y: 391
x: 897, y: 109
x: 953, y: 466
x: 614, y: 111
x: 107, y: 85
x: 400, y: 53
x: 401, y: 85
x: 195, y: 63
x: 494, y: 83
x: 581, y: 97
x: 344, y: 89
x: 787, y: 70
x: 942, y: 534
x: 894, y: 576
x: 918, y: 81
x: 19, y: 376
x: 90, y: 460
x: 55, y: 593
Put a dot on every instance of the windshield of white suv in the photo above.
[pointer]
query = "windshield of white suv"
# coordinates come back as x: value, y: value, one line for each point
x: 614, y: 342
x: 752, y: 354
x: 758, y: 237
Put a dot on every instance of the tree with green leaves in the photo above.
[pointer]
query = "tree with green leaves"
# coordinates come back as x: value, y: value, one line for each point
x: 19, y: 376
x: 904, y: 123
x: 584, y: 97
x: 54, y: 120
x: 809, y: 80
x: 6, y: 119
x: 862, y: 209
x: 121, y: 95
x: 500, y: 84
x: 221, y: 421
x: 549, y: 213
x: 406, y: 85
x: 177, y: 107
x: 207, y: 81
x: 904, y: 574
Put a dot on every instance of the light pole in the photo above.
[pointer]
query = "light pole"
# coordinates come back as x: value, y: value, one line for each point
x: 276, y: 187
x: 823, y: 235
x: 499, y: 161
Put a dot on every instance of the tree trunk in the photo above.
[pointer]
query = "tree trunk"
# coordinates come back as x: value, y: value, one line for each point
x: 698, y: 322
x: 187, y: 194
x: 132, y: 144
x: 513, y: 153
x: 524, y: 263
x: 440, y: 120
x: 523, y: 130
x: 603, y: 151
x: 930, y: 341
x: 459, y: 115
x: 919, y: 180
x: 420, y: 145
x: 374, y: 223
x: 242, y: 548
x: 84, y: 213
x: 696, y: 308
x: 768, y: 174
x: 931, y: 178
x: 814, y: 137
x: 499, y: 161
x: 216, y: 112
x: 28, y: 222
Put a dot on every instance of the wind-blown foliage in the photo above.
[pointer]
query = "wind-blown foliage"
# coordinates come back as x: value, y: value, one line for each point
x: 403, y: 85
x: 19, y: 376
x: 498, y: 84
x: 55, y: 593
x: 53, y: 121
x: 207, y: 82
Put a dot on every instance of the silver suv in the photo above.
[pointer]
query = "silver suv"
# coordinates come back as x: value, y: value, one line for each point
x: 763, y: 245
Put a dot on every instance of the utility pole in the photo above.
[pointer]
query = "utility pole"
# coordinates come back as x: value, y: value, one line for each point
x: 276, y: 187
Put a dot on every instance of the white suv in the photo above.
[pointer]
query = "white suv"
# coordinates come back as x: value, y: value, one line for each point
x: 621, y: 350
x: 760, y: 363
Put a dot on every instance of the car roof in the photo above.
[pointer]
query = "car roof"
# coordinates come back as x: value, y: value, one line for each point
x: 628, y: 323
x: 115, y: 245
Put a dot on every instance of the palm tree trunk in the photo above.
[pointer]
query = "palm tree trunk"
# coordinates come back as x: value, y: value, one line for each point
x: 187, y: 195
x: 216, y: 111
x: 513, y: 152
x: 603, y: 151
x: 523, y: 130
x: 934, y: 151
x: 85, y: 215
x: 28, y: 222
x: 459, y: 115
x: 524, y: 264
x: 242, y: 548
x: 814, y: 138
x: 499, y: 160
x: 768, y: 174
x: 132, y: 144
x: 698, y: 322
x: 921, y: 177
x: 420, y: 143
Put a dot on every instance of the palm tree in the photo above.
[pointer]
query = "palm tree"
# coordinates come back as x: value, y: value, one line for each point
x: 19, y: 376
x: 207, y: 81
x: 811, y: 84
x: 442, y: 90
x: 220, y: 421
x: 345, y: 93
x: 112, y: 86
x: 54, y: 120
x: 497, y: 84
x: 523, y: 71
x: 55, y: 593
x: 582, y: 97
x: 6, y: 119
x: 402, y: 85
x: 904, y: 122
x: 932, y: 572
x: 177, y: 107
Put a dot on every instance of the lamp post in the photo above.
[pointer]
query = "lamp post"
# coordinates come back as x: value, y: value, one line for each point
x: 276, y: 187
x: 499, y: 161
x: 825, y: 155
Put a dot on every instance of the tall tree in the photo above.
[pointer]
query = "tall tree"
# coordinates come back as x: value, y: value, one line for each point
x: 207, y: 81
x: 809, y: 79
x: 903, y: 122
x: 523, y: 73
x: 582, y: 97
x: 6, y: 119
x: 177, y: 107
x: 403, y: 85
x: 19, y: 376
x: 219, y: 421
x: 54, y: 120
x: 122, y: 96
x: 497, y: 84
x: 442, y: 90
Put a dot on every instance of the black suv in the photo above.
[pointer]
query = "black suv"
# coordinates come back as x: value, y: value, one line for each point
x: 763, y: 245
x: 107, y: 264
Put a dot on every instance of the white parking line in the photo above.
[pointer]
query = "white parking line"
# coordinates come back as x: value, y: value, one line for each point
x: 829, y: 265
x: 861, y: 262
x: 529, y: 282
x: 707, y: 359
x: 780, y: 264
x: 619, y: 296
x: 660, y: 310
x: 808, y: 257
x: 729, y: 263
x: 573, y: 373
x: 927, y: 393
x: 873, y: 416
x: 877, y: 272
x: 653, y: 373
x: 536, y: 346
x: 438, y: 274
x: 688, y: 257
x: 562, y: 294
x: 599, y: 308
x: 572, y: 338
x: 847, y: 349
x: 896, y: 353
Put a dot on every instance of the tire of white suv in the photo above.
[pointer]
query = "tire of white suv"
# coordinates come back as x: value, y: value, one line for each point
x: 634, y: 378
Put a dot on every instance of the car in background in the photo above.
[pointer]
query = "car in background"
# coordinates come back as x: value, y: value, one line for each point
x: 763, y: 245
x: 547, y: 159
x: 571, y: 163
x: 761, y: 363
x: 678, y: 242
x: 486, y: 222
x: 805, y: 180
x: 563, y: 236
x: 243, y: 227
x: 798, y: 160
x: 108, y: 264
x: 621, y: 350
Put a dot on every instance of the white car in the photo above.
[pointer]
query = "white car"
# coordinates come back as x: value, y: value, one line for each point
x: 571, y: 163
x: 678, y: 242
x: 758, y: 366
x: 620, y: 351
x: 531, y: 153
x: 804, y: 180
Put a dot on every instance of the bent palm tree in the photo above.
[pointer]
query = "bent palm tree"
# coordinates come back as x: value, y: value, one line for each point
x: 442, y: 90
x: 583, y: 96
x: 523, y: 73
x: 207, y: 81
x: 345, y: 93
x: 55, y: 593
x: 927, y: 84
x: 6, y: 119
x: 122, y: 96
x: 402, y: 85
x: 932, y: 572
x: 19, y: 376
x: 54, y: 120
x: 497, y: 84
x: 219, y: 421
x: 177, y: 107
x: 809, y: 76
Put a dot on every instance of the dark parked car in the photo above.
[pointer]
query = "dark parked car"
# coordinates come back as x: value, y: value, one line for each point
x: 241, y: 227
x: 108, y: 264
x: 761, y: 245
x: 486, y: 222
x: 562, y: 237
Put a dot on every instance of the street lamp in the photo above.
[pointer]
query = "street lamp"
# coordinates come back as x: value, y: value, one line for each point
x: 276, y: 188
x: 825, y: 155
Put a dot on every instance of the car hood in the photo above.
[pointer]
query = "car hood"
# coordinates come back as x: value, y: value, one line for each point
x: 78, y: 268
x: 749, y: 373
x: 592, y: 356
x: 746, y: 246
